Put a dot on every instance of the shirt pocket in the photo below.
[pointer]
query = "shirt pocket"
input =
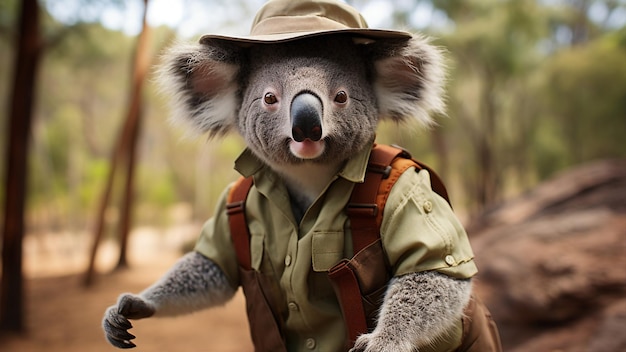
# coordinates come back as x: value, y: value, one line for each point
x: 327, y: 249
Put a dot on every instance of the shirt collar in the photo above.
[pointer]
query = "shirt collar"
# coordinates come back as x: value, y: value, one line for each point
x: 248, y: 164
x: 355, y: 168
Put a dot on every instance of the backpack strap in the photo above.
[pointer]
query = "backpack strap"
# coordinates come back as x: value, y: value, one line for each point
x: 365, y: 211
x: 263, y: 318
x: 368, y: 199
x: 365, y: 208
x: 362, y: 279
x: 237, y: 220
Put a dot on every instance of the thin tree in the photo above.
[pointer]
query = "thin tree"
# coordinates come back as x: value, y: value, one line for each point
x: 141, y: 66
x: 18, y: 137
x: 124, y: 151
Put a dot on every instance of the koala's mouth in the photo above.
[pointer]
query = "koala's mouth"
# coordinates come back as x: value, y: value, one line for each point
x: 307, y: 149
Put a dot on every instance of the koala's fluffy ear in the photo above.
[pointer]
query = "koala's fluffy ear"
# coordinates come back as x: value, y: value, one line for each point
x: 201, y: 83
x: 409, y: 79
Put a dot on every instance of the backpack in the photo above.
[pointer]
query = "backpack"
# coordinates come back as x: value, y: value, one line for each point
x: 365, y: 275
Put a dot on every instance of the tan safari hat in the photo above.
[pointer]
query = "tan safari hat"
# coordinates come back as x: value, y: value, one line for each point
x: 287, y: 20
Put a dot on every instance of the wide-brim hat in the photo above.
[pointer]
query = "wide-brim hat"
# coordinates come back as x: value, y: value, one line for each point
x: 288, y: 20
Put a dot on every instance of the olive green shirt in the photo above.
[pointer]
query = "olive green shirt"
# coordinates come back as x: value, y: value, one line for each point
x: 419, y: 232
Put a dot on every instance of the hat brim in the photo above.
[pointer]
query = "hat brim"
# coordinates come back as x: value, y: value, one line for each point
x: 364, y: 33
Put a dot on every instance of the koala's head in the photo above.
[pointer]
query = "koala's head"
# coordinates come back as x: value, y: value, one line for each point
x: 310, y: 99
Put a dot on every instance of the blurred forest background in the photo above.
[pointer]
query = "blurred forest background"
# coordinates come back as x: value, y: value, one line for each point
x: 535, y: 87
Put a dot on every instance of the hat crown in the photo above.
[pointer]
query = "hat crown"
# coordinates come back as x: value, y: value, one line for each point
x: 289, y: 16
x: 279, y: 21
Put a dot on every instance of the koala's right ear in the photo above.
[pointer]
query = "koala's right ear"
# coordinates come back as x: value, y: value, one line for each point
x: 409, y: 79
x: 201, y: 82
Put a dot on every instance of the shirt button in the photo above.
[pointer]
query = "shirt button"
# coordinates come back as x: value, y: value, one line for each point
x: 428, y: 206
x: 450, y: 260
x: 310, y: 343
x: 288, y: 260
x: 293, y: 306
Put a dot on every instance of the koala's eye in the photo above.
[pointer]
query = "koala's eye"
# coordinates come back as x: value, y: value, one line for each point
x: 341, y: 97
x: 270, y: 98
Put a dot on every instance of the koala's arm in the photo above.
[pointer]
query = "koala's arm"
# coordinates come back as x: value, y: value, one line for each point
x: 418, y: 308
x: 192, y: 284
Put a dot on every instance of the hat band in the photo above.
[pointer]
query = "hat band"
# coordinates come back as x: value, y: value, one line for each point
x: 294, y: 24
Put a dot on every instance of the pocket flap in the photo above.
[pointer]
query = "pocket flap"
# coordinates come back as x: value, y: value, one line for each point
x: 327, y: 249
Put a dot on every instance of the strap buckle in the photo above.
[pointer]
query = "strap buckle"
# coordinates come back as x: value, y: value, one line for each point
x: 384, y: 170
x: 235, y: 207
x: 362, y: 210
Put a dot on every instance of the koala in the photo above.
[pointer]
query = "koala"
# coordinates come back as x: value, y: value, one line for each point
x: 305, y: 108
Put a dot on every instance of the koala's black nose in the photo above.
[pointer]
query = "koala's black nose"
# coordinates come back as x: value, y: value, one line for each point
x: 306, y: 117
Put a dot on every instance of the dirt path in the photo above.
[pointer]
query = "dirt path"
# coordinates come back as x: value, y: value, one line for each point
x: 63, y: 316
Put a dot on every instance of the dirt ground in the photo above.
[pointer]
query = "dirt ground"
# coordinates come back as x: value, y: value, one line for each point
x: 64, y: 316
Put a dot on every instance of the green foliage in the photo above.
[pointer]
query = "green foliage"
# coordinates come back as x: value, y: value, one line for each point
x: 585, y: 94
x: 8, y: 11
x: 92, y: 182
x: 529, y: 92
x: 523, y: 98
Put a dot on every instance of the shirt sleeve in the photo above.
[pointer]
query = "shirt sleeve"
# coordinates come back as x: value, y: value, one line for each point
x: 420, y: 231
x: 216, y: 243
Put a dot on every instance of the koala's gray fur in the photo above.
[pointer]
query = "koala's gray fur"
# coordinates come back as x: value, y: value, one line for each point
x: 192, y: 284
x: 418, y: 309
x: 218, y: 87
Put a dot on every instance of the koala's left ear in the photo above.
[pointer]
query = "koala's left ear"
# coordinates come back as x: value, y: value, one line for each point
x: 201, y: 81
x: 409, y: 79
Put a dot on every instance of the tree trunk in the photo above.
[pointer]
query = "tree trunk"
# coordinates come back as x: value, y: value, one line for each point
x: 18, y: 133
x: 100, y: 217
x: 141, y: 66
x: 125, y: 151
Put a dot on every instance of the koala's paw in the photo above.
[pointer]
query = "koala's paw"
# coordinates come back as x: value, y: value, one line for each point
x: 116, y: 323
x: 374, y: 342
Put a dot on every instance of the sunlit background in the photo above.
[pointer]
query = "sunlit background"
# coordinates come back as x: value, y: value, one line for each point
x: 536, y: 88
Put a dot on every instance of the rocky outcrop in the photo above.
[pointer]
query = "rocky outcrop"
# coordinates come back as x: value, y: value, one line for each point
x: 553, y: 262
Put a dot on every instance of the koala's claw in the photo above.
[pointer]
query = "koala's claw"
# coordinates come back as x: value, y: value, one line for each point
x: 115, y: 328
x: 124, y: 344
x: 116, y: 323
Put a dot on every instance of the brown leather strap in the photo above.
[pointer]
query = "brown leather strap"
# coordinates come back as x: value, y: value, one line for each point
x: 263, y: 319
x: 237, y: 220
x: 398, y: 167
x: 362, y: 209
x: 264, y: 323
x: 365, y: 211
x: 346, y: 286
